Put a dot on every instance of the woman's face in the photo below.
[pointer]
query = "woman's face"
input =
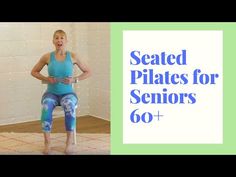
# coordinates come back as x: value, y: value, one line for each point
x: 59, y: 41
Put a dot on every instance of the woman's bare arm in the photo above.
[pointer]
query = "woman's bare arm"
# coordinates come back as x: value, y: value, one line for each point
x: 86, y: 72
x: 35, y: 72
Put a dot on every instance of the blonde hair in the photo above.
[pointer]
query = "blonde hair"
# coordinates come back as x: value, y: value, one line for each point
x: 60, y: 32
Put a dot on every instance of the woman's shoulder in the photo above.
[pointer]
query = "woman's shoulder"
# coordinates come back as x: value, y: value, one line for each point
x: 47, y: 54
x: 72, y: 54
x: 46, y: 57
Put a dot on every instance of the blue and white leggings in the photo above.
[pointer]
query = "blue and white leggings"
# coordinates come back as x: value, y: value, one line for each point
x: 67, y: 101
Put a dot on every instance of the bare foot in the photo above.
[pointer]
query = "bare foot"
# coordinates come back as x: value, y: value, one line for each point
x: 47, y: 149
x: 70, y: 149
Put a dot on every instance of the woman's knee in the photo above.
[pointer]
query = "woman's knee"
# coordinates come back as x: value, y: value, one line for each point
x: 48, y: 104
x: 69, y: 104
x: 69, y: 101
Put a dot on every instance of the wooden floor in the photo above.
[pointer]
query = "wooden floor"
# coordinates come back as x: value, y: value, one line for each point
x: 85, y: 124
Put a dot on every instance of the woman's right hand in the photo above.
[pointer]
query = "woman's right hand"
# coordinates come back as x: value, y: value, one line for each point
x: 51, y: 80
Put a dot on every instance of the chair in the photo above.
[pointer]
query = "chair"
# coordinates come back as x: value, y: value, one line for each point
x: 59, y: 108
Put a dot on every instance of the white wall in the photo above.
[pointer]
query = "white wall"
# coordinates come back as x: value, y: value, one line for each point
x: 99, y: 54
x: 21, y: 46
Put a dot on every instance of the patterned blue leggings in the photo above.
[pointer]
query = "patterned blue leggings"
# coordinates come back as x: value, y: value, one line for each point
x: 50, y: 101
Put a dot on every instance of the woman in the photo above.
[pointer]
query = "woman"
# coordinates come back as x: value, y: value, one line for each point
x: 59, y: 91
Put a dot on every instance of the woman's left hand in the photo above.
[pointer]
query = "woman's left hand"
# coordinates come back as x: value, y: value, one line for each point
x: 68, y: 80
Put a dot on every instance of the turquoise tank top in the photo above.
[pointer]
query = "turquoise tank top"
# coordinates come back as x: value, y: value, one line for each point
x: 60, y: 70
